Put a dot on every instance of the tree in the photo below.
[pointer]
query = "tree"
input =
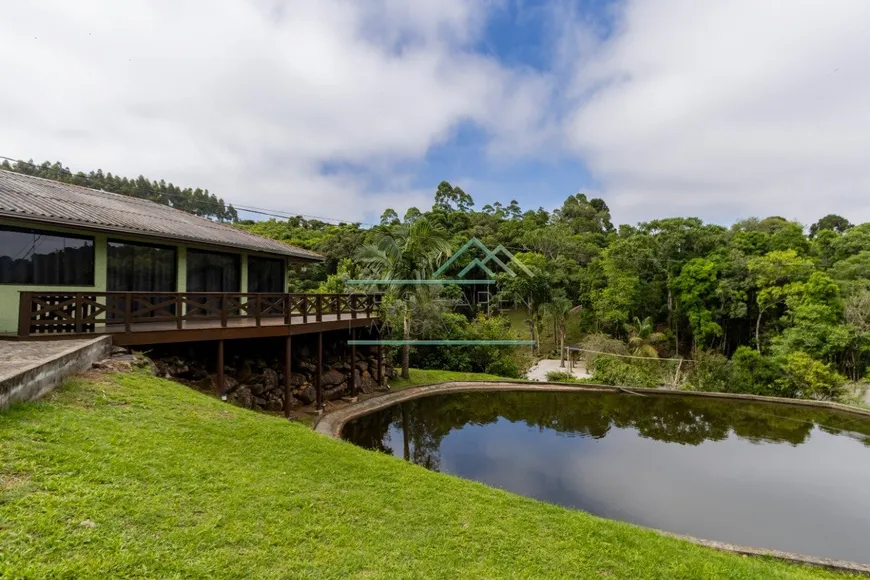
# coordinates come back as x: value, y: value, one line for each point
x: 642, y: 337
x: 532, y: 291
x: 696, y: 293
x: 389, y: 217
x: 406, y: 252
x: 774, y: 276
x: 448, y: 197
x: 559, y: 309
x: 831, y: 222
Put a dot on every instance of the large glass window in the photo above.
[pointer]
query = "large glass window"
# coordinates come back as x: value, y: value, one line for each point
x: 134, y: 267
x: 213, y: 272
x: 265, y: 275
x: 45, y: 258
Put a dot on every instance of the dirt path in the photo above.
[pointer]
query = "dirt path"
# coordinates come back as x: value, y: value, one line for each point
x: 540, y: 370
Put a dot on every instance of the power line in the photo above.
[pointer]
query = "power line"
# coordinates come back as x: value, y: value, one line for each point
x: 245, y: 208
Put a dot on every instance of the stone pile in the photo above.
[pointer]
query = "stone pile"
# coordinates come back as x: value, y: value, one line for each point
x: 258, y: 383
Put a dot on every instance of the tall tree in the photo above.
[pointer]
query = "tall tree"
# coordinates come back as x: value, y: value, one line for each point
x: 406, y: 252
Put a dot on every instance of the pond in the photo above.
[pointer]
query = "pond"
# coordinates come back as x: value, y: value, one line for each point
x: 755, y: 474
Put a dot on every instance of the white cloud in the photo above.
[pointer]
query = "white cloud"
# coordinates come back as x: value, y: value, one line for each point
x: 727, y: 109
x: 252, y: 99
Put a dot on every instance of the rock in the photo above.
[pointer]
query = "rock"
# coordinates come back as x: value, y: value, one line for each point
x: 270, y: 379
x: 230, y: 384
x: 87, y: 524
x: 242, y: 397
x: 331, y: 378
x: 336, y: 392
x: 307, y: 366
x: 260, y: 401
x: 367, y: 384
x: 306, y: 394
x: 342, y: 366
x: 297, y: 379
x: 362, y: 365
x: 258, y: 389
x: 274, y: 406
x: 207, y: 384
x: 120, y: 350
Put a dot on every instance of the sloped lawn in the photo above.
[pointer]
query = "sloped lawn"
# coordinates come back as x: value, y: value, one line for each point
x: 128, y: 475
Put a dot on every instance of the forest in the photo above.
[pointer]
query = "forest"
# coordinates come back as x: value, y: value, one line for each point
x: 764, y: 306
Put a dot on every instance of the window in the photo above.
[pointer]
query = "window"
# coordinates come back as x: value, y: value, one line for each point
x: 266, y: 275
x: 213, y: 272
x: 45, y: 258
x: 134, y: 267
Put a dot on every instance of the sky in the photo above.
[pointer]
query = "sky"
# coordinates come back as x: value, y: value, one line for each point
x: 722, y: 109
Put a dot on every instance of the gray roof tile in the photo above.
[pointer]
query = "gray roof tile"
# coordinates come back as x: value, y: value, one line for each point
x: 37, y: 199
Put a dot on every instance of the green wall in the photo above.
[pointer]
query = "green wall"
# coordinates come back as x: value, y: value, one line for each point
x: 9, y: 294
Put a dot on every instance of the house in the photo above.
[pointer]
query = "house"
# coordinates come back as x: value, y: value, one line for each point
x: 76, y: 261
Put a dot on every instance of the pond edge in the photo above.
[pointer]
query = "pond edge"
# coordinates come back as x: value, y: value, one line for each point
x: 332, y: 423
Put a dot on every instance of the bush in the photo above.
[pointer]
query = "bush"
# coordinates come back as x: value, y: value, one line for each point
x: 608, y: 370
x: 560, y: 377
x: 752, y: 372
x: 807, y: 378
x: 601, y: 343
x: 505, y: 361
x: 710, y: 371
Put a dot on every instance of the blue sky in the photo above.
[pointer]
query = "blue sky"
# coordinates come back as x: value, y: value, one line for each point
x: 720, y: 109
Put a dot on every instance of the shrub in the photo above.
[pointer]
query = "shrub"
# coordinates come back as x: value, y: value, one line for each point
x: 601, y: 343
x: 752, y: 372
x: 807, y: 378
x: 560, y: 377
x: 505, y: 361
x: 608, y: 370
x: 710, y: 371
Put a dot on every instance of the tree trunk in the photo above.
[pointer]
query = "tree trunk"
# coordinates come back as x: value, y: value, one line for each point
x: 406, y: 348
x: 758, y: 331
x: 561, y: 348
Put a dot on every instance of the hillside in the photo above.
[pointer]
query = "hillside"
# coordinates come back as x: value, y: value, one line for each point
x: 128, y: 475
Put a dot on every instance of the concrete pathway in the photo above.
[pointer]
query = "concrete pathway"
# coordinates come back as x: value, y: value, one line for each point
x: 29, y: 369
x: 540, y: 370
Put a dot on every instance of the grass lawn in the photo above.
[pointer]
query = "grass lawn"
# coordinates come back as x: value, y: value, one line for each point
x: 428, y: 377
x: 129, y: 475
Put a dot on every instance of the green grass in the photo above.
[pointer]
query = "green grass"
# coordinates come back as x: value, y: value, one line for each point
x: 428, y: 377
x: 178, y: 484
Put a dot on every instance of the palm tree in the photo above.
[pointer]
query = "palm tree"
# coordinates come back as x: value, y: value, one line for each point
x: 406, y: 252
x: 559, y: 309
x: 641, y: 337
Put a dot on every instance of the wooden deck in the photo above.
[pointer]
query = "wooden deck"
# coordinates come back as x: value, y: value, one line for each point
x: 143, y: 318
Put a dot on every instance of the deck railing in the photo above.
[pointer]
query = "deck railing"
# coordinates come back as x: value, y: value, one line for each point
x: 83, y: 312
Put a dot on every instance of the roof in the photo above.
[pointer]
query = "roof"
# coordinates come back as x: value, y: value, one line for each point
x: 36, y: 199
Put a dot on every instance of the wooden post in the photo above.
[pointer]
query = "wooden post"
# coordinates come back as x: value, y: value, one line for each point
x: 317, y: 373
x: 224, y: 311
x: 179, y: 312
x: 256, y: 308
x: 287, y: 386
x: 78, y: 312
x: 220, y: 368
x: 304, y: 307
x: 288, y: 307
x: 318, y: 305
x: 128, y: 311
x: 380, y: 365
x: 25, y: 308
x: 337, y: 303
x: 354, y: 387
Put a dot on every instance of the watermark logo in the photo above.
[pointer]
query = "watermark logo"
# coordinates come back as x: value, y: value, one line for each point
x: 500, y: 259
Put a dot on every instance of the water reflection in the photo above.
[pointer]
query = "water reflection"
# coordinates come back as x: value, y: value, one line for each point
x: 776, y: 476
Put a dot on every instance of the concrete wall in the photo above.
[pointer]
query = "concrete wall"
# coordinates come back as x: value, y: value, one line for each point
x: 9, y: 294
x: 42, y: 376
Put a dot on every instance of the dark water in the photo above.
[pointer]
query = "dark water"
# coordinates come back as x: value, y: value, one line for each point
x: 756, y: 474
